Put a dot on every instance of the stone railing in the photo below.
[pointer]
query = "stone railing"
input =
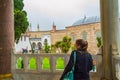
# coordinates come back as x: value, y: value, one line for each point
x: 47, y: 66
x: 116, y: 67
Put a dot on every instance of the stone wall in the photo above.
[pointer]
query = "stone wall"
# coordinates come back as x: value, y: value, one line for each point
x: 90, y: 30
x: 53, y: 74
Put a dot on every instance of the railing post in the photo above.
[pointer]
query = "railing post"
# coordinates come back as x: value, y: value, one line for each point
x: 52, y: 64
x: 26, y: 62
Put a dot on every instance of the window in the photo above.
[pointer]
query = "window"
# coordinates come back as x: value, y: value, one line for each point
x: 72, y: 37
x: 33, y: 45
x: 35, y: 36
x: 39, y: 45
x: 84, y: 35
x: 98, y: 34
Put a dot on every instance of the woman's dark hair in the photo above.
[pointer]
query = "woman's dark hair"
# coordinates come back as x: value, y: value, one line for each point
x: 82, y: 43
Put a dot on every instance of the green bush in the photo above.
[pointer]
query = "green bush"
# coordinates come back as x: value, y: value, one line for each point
x: 64, y: 45
x: 99, y: 42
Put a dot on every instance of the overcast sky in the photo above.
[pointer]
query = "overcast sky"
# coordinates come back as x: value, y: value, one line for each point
x: 63, y: 12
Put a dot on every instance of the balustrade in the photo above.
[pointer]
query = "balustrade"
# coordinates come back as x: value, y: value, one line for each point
x: 116, y: 67
x: 48, y: 64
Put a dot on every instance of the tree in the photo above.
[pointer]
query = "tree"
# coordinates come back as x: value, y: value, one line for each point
x: 58, y: 44
x: 64, y: 45
x: 20, y: 19
x: 46, y: 46
x: 99, y: 40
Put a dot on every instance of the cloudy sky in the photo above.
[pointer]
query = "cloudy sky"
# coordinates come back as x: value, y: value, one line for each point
x: 62, y: 12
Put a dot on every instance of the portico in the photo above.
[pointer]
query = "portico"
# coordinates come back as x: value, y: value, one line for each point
x: 110, y: 36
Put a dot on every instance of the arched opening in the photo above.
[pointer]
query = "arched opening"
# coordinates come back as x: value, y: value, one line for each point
x: 46, y: 64
x: 32, y: 63
x: 60, y: 64
x: 72, y: 37
x: 45, y: 42
x: 34, y: 45
x: 39, y: 46
x: 98, y: 34
x: 19, y: 64
x: 84, y: 35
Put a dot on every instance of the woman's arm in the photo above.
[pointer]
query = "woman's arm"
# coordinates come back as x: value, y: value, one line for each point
x: 69, y: 65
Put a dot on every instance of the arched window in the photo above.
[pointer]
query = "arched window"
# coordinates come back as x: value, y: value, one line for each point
x: 35, y: 36
x: 39, y: 45
x: 45, y: 42
x: 33, y: 45
x: 84, y: 35
x: 98, y: 34
x: 72, y: 37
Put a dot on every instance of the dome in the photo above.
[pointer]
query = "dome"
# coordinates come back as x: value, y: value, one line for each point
x: 87, y: 20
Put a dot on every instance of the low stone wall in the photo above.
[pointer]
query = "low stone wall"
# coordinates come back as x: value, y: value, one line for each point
x: 26, y: 73
x: 116, y: 67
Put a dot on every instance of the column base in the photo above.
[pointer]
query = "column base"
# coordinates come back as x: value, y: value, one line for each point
x: 6, y: 76
x: 103, y: 78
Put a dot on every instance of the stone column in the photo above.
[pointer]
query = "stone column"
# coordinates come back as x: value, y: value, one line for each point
x: 109, y: 28
x: 6, y: 37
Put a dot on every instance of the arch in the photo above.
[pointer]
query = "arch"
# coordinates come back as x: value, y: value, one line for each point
x: 98, y: 34
x: 32, y: 63
x: 19, y: 64
x: 46, y: 64
x: 33, y: 45
x: 84, y: 35
x: 94, y: 66
x: 39, y: 45
x: 60, y: 64
x: 45, y: 41
x: 73, y: 37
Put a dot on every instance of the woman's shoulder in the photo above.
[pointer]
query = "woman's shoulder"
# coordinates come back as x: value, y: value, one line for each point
x: 74, y: 51
x: 89, y: 55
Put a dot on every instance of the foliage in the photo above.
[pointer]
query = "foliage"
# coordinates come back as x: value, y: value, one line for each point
x: 32, y: 48
x: 64, y: 45
x: 58, y: 44
x: 20, y: 19
x: 99, y: 42
x: 53, y: 49
x: 46, y: 46
x: 73, y: 47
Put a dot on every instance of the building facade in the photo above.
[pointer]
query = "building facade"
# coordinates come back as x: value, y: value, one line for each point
x: 86, y: 28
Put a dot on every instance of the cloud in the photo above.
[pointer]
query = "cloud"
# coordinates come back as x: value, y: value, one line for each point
x: 63, y: 12
x: 59, y: 7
